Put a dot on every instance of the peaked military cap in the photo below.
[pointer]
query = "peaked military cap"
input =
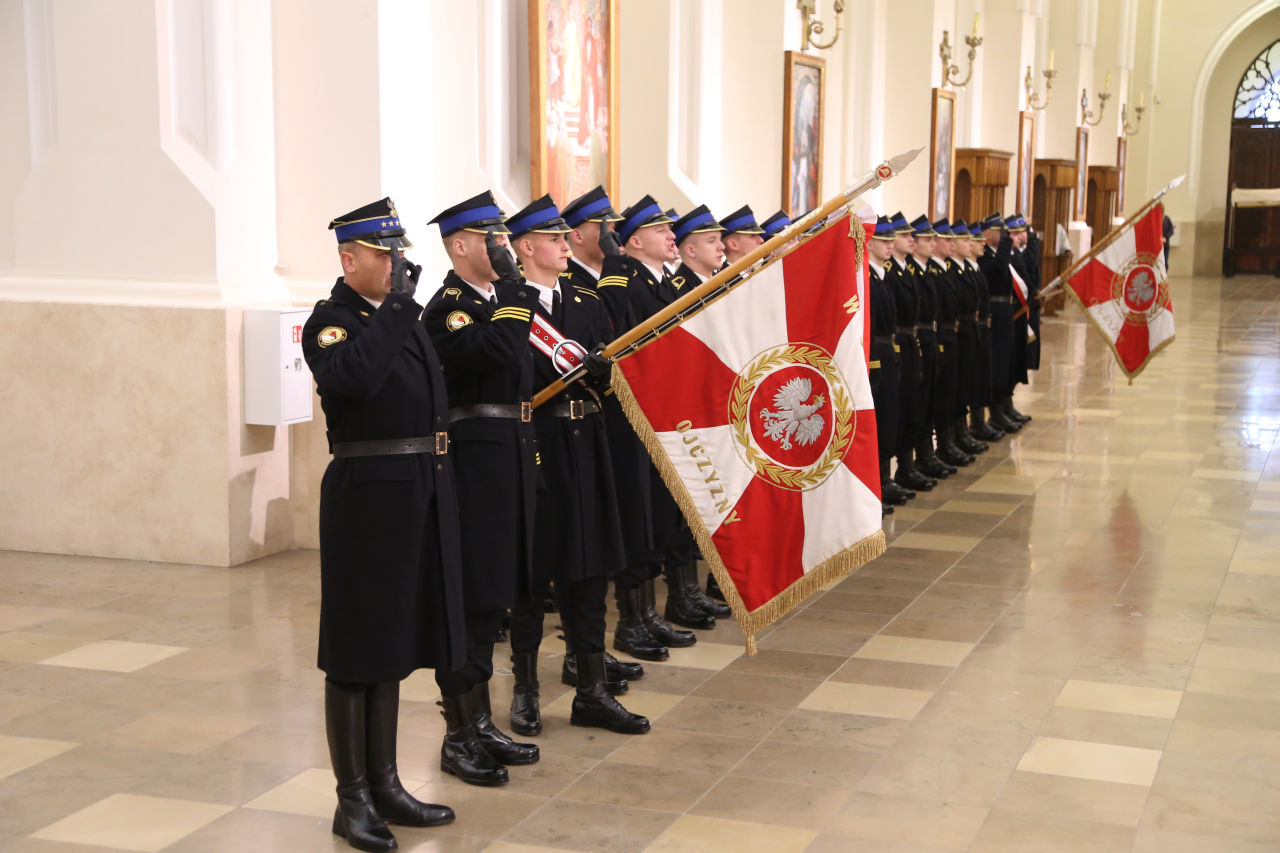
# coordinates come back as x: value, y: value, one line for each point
x: 375, y: 225
x: 959, y: 228
x: 741, y: 221
x: 540, y: 216
x: 1015, y: 223
x: 995, y: 220
x: 591, y: 206
x: 884, y: 229
x: 922, y: 227
x: 671, y: 214
x: 643, y: 213
x: 775, y: 224
x: 899, y: 222
x: 697, y: 221
x: 942, y: 228
x: 479, y: 213
x: 975, y: 231
x: 1022, y: 220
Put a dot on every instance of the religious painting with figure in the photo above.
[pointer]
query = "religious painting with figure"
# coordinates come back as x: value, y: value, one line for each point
x: 802, y: 133
x: 574, y: 94
x: 942, y: 154
x: 1082, y: 172
x: 1026, y: 160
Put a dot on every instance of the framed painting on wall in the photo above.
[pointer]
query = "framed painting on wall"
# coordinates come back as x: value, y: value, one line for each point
x: 1026, y: 161
x: 1082, y: 173
x: 573, y: 93
x: 802, y: 114
x: 1122, y: 154
x: 942, y: 154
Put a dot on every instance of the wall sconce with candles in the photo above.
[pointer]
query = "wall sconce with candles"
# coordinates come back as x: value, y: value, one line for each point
x: 808, y: 9
x: 1126, y: 130
x: 1033, y: 100
x: 950, y: 73
x: 1087, y: 117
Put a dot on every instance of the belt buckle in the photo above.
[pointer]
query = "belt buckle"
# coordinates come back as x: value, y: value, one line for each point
x: 526, y: 411
x: 577, y: 410
x: 442, y: 443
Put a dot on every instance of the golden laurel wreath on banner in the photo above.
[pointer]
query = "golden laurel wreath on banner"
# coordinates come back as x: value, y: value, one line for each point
x: 1120, y: 282
x: 744, y: 387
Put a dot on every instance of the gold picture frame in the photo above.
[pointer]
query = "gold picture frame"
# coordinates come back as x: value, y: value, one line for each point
x: 942, y: 154
x: 573, y: 66
x: 1026, y: 161
x: 803, y: 114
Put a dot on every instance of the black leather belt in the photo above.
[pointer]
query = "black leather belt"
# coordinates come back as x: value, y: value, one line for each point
x: 574, y: 410
x: 906, y: 330
x: 522, y: 412
x: 1002, y: 299
x: 437, y: 444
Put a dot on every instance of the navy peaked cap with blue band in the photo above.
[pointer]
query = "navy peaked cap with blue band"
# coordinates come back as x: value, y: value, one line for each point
x: 671, y: 214
x: 741, y: 221
x: 922, y: 227
x: 975, y: 231
x: 775, y: 224
x: 884, y: 229
x: 696, y: 221
x: 959, y: 227
x: 478, y: 213
x: 643, y: 213
x: 540, y: 216
x: 995, y: 220
x: 1022, y: 221
x: 1015, y: 223
x: 375, y: 225
x: 943, y: 228
x: 899, y: 223
x: 591, y: 206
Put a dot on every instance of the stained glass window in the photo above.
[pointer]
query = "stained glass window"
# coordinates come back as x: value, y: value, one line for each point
x: 1258, y: 97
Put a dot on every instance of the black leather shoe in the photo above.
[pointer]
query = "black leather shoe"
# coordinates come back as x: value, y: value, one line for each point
x: 569, y: 675
x: 594, y: 707
x: 683, y: 606
x: 966, y: 442
x: 1003, y: 422
x: 713, y: 588
x: 495, y: 741
x: 659, y: 629
x: 622, y: 670
x: 1014, y: 413
x: 631, y: 635
x: 355, y: 818
x: 393, y: 803
x: 932, y: 466
x: 704, y: 602
x: 885, y: 509
x: 985, y: 432
x: 461, y: 754
x: 949, y: 452
x: 914, y: 480
x: 899, y: 491
x: 891, y: 494
x: 526, y: 714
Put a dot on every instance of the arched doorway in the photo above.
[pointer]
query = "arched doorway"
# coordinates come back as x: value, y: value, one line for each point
x: 1251, y: 242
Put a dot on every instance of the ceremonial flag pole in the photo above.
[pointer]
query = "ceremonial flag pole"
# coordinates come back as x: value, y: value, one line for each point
x: 1105, y: 242
x: 698, y: 298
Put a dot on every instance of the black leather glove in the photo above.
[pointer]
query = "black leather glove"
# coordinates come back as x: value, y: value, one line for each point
x: 500, y: 257
x: 1006, y: 243
x: 1034, y: 302
x: 597, y: 365
x: 608, y: 241
x: 404, y: 274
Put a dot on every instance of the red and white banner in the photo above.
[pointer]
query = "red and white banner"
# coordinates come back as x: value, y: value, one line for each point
x: 1125, y: 291
x: 758, y: 412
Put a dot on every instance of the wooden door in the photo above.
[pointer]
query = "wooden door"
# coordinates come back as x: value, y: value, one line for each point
x: 1252, y: 241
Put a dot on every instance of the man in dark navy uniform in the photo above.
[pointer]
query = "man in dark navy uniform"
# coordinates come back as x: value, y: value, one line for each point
x: 883, y: 364
x: 633, y: 288
x: 961, y: 266
x: 741, y: 234
x: 927, y: 285
x: 591, y: 218
x: 577, y: 538
x: 479, y: 325
x: 946, y: 398
x: 390, y: 586
x: 903, y: 278
x: 995, y: 262
x: 1026, y: 260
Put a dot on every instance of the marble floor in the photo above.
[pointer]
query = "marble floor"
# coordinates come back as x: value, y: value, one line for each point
x: 1072, y: 645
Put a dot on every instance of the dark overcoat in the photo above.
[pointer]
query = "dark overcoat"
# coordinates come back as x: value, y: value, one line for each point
x: 485, y: 350
x: 995, y: 269
x: 883, y: 367
x: 906, y: 298
x: 390, y: 580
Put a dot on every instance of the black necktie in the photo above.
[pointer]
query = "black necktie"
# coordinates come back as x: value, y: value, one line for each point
x: 557, y: 310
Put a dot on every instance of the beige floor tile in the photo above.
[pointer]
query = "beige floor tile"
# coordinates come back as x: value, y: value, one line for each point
x: 113, y: 656
x: 511, y: 847
x: 699, y: 656
x: 1105, y: 727
x: 907, y: 821
x: 668, y: 789
x: 1212, y: 813
x: 29, y: 646
x: 573, y: 825
x: 867, y: 699
x: 698, y: 834
x: 1103, y: 762
x: 182, y: 732
x: 1120, y: 699
x: 1163, y: 841
x: 1016, y: 833
x: 311, y: 793
x: 1065, y: 798
x: 1000, y: 508
x: 1225, y: 474
x: 642, y: 702
x: 19, y: 753
x: 1254, y: 566
x: 132, y: 822
x: 771, y: 802
x: 1234, y: 657
x: 1228, y: 682
x: 664, y: 746
x: 914, y: 650
x: 935, y: 541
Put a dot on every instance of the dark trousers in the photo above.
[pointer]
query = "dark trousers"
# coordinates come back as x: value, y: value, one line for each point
x: 638, y: 568
x: 482, y: 628
x: 582, y: 609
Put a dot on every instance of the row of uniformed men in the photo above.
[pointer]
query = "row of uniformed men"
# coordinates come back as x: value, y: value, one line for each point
x: 950, y: 341
x: 449, y: 501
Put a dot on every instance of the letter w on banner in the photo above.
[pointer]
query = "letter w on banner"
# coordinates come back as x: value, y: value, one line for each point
x: 1124, y: 289
x: 758, y: 412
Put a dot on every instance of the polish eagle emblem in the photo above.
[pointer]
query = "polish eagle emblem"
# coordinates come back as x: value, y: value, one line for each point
x: 795, y: 416
x: 1141, y: 288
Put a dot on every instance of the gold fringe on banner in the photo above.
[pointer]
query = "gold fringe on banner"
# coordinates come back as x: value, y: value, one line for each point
x: 750, y: 621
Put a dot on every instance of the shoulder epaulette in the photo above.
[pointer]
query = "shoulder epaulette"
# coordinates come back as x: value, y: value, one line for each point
x: 324, y: 303
x: 613, y: 281
x: 588, y: 291
x: 451, y: 293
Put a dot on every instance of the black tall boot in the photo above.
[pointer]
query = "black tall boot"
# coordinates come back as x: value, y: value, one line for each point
x: 355, y: 819
x: 682, y: 607
x: 526, y: 715
x: 709, y: 605
x: 1002, y: 421
x: 615, y: 683
x: 927, y: 460
x: 495, y: 741
x: 393, y: 802
x: 1014, y: 413
x: 964, y: 441
x: 909, y: 477
x: 594, y: 707
x: 980, y: 429
x: 461, y: 753
x: 714, y: 592
x: 631, y: 635
x: 948, y: 451
x: 658, y: 627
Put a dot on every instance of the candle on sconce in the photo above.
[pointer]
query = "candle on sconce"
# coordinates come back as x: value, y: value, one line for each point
x: 1106, y: 86
x: 1142, y: 97
x: 975, y: 24
x: 1050, y: 59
